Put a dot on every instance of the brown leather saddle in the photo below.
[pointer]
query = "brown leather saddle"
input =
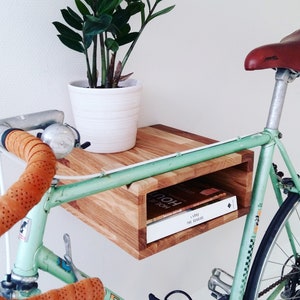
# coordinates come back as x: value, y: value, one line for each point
x: 285, y: 55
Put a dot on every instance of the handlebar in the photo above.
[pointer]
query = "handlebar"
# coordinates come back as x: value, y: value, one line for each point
x: 33, y: 183
x: 90, y: 288
x: 38, y: 120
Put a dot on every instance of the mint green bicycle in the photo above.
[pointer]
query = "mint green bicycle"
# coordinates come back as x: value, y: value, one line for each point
x: 275, y: 271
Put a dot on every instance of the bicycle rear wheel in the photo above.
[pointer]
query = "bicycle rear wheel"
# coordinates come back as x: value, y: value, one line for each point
x: 275, y: 273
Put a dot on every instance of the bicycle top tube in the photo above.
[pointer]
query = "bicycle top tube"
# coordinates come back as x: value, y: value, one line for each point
x: 284, y: 55
x: 132, y: 173
x: 246, y: 141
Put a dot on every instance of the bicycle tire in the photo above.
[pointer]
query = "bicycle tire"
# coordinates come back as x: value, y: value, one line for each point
x: 274, y: 259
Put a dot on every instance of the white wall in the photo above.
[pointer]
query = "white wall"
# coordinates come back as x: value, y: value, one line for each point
x: 191, y: 64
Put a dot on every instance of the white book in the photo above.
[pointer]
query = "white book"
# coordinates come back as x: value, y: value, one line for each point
x: 189, y: 218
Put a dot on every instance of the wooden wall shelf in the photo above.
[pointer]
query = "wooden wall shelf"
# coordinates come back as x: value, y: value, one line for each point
x: 120, y: 214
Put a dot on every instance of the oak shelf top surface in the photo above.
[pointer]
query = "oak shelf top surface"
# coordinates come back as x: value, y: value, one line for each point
x: 152, y: 142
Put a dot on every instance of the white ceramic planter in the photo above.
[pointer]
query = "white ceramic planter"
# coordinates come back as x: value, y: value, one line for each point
x: 106, y: 117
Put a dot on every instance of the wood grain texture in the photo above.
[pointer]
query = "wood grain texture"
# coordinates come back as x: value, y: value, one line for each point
x: 121, y: 214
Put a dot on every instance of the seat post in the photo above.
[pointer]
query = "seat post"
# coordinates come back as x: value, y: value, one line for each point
x: 282, y: 78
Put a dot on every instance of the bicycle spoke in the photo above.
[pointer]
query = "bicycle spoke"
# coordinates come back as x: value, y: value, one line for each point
x: 275, y: 274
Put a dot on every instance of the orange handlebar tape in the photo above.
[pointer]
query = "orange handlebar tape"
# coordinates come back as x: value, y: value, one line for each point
x: 86, y: 289
x: 33, y: 182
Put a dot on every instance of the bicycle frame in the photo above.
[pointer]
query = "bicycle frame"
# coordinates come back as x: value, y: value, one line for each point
x: 33, y: 255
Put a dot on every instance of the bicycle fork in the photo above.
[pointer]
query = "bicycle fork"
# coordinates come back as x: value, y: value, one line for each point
x: 33, y: 255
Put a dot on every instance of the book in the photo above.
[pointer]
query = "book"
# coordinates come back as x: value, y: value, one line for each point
x: 185, y: 205
x: 182, y: 196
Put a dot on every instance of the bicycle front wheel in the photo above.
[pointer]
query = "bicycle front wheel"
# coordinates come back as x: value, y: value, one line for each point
x: 275, y: 272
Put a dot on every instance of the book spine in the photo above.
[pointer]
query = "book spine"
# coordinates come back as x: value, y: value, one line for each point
x: 189, y: 218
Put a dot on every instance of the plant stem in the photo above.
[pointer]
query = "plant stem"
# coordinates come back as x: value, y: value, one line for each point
x: 103, y: 61
x: 108, y: 66
x: 143, y: 25
x: 89, y: 72
x: 94, y: 65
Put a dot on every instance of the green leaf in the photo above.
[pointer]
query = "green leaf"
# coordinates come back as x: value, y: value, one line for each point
x: 89, y: 2
x: 74, y: 14
x: 111, y: 44
x: 124, y: 30
x: 161, y: 12
x: 120, y: 18
x: 107, y: 6
x: 128, y: 38
x: 95, y: 25
x: 73, y: 22
x: 88, y: 39
x: 67, y: 32
x: 82, y: 8
x: 74, y: 45
x: 134, y: 8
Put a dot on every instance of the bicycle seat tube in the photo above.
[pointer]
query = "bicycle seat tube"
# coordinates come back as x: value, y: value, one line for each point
x: 282, y: 77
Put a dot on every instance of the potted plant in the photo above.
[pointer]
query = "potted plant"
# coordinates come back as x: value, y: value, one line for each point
x: 98, y: 30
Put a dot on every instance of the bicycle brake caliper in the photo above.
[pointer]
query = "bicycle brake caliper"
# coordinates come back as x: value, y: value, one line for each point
x: 219, y: 288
